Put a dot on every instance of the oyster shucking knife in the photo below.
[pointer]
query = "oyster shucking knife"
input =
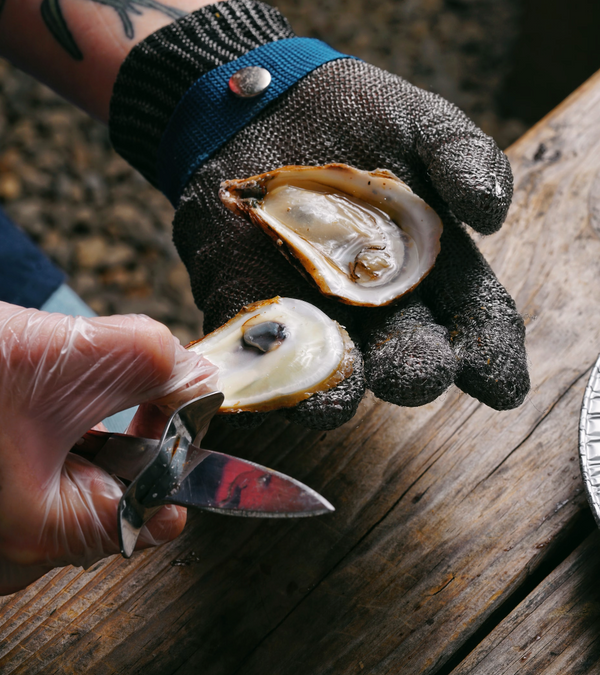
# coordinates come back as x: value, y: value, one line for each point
x: 175, y: 470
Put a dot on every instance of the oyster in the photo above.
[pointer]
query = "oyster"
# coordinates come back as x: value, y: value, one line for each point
x: 276, y: 353
x: 364, y: 237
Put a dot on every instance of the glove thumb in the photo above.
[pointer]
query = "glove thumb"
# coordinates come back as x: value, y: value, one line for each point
x: 61, y: 375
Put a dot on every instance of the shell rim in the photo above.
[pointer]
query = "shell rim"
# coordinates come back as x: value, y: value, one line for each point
x: 229, y: 194
x: 342, y: 371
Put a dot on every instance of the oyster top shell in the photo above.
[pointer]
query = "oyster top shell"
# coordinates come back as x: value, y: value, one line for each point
x: 364, y: 237
x: 276, y: 353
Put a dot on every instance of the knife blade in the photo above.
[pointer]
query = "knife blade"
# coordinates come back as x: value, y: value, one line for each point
x: 238, y: 487
x: 175, y: 470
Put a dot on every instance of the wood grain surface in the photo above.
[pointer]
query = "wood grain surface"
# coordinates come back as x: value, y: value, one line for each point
x: 554, y: 630
x: 444, y: 513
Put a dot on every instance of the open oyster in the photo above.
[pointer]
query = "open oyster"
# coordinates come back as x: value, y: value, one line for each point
x: 363, y: 236
x: 276, y: 353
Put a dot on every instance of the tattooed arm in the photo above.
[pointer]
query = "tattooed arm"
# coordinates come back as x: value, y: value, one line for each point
x: 77, y: 46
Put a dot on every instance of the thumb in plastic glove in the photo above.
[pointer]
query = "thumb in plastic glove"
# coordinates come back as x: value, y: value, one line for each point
x: 59, y: 376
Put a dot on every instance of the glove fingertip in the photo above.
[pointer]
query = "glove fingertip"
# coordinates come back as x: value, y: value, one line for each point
x: 495, y: 372
x: 411, y: 378
x: 473, y: 176
x: 498, y: 393
x: 408, y: 358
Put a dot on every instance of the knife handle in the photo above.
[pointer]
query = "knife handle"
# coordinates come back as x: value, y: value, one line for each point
x: 90, y: 444
x: 122, y: 455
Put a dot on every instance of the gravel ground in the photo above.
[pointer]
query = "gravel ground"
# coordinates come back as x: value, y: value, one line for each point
x: 110, y: 231
x: 96, y: 217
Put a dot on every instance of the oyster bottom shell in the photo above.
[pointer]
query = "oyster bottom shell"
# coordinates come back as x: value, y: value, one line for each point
x: 276, y: 353
x: 363, y: 237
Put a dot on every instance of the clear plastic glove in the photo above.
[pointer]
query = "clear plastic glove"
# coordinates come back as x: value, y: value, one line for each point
x: 59, y: 376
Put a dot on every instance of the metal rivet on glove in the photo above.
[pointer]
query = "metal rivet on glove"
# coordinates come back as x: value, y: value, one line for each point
x: 250, y: 81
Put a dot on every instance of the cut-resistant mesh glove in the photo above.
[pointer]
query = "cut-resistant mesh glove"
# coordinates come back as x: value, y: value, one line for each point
x: 460, y: 325
x: 59, y: 376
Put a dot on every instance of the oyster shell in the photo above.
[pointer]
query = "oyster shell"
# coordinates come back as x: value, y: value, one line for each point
x: 276, y: 353
x: 364, y: 237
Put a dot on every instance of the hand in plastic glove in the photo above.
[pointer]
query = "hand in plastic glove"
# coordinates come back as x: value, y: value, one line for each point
x: 59, y: 376
x: 459, y: 326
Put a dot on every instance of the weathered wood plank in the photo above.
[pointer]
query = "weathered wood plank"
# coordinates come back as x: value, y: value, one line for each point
x: 554, y: 631
x: 442, y: 511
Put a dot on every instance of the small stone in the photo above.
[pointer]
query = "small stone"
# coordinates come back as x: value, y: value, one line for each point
x: 154, y: 307
x: 95, y: 253
x: 83, y: 283
x: 34, y: 180
x: 95, y: 186
x: 28, y: 214
x: 83, y: 219
x: 49, y: 160
x: 91, y: 252
x: 10, y: 186
x: 59, y: 119
x: 138, y: 292
x: 115, y: 276
x: 128, y: 219
x: 178, y: 277
x: 132, y: 282
x: 57, y: 247
x: 120, y: 254
x: 99, y: 305
x: 11, y: 159
x: 67, y: 189
x: 117, y: 168
x: 24, y: 132
x: 81, y: 156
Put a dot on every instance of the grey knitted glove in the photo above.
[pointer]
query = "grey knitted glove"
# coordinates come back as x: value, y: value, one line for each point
x: 460, y: 325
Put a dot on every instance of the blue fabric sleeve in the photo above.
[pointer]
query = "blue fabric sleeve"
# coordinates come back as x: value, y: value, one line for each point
x: 27, y: 277
x: 209, y: 114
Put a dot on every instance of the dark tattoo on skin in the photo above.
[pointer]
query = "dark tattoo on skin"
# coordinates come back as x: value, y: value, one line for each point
x: 2, y: 5
x: 55, y: 21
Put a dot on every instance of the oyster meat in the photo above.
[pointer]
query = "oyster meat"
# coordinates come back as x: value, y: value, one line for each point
x: 276, y: 353
x: 364, y: 237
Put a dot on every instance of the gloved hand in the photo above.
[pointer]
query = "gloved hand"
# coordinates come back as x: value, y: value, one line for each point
x: 460, y: 325
x: 59, y: 376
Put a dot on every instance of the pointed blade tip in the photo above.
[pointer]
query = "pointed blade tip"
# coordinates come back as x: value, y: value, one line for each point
x: 234, y: 486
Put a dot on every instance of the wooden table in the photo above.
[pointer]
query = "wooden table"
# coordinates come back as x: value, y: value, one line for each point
x: 462, y: 541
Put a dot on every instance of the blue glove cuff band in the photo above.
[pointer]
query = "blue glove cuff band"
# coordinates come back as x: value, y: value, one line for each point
x: 209, y: 114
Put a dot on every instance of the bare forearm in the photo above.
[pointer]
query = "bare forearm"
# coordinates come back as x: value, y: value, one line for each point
x: 77, y: 46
